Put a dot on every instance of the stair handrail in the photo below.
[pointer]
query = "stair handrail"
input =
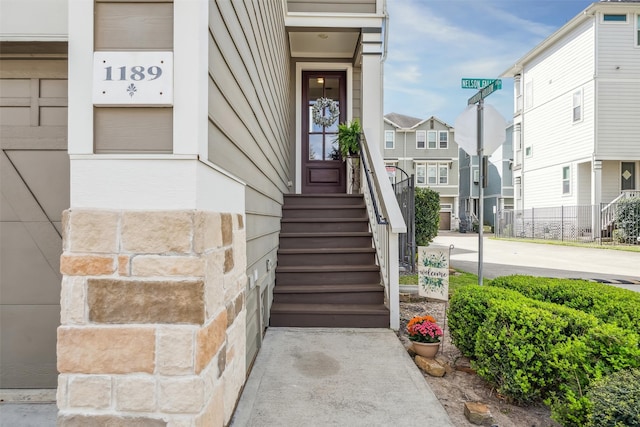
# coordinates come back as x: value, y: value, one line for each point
x: 385, y: 221
x: 608, y: 213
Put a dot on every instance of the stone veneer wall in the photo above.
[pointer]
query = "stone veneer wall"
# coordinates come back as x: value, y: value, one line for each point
x: 152, y: 318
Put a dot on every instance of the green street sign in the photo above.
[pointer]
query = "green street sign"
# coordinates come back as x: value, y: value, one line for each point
x: 479, y: 83
x: 486, y: 91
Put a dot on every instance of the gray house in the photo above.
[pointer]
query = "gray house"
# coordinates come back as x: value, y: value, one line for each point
x: 498, y: 195
x: 427, y: 149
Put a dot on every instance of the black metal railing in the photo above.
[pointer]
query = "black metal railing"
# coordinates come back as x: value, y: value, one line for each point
x: 405, y: 195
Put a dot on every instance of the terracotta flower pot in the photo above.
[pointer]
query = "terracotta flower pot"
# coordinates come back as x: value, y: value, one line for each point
x: 426, y: 349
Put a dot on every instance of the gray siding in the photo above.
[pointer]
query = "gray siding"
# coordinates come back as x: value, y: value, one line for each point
x: 332, y: 6
x: 250, y: 129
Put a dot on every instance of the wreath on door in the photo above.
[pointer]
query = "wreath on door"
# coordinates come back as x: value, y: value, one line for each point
x: 318, y: 112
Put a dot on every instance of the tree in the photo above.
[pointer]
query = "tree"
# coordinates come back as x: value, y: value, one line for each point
x: 427, y: 215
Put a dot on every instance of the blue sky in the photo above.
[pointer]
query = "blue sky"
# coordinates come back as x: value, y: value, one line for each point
x: 435, y: 43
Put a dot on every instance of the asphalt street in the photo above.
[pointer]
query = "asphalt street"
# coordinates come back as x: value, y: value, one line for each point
x: 502, y: 257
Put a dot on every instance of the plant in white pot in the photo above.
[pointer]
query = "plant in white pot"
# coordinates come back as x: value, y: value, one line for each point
x: 349, y: 137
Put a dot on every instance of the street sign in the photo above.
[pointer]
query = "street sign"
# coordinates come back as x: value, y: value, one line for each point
x: 479, y: 83
x: 493, y: 130
x: 486, y: 91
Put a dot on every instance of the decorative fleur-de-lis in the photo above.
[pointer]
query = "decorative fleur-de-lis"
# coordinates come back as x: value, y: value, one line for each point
x: 132, y: 89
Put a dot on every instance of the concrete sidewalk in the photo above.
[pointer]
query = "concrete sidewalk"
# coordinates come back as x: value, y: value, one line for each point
x: 336, y: 377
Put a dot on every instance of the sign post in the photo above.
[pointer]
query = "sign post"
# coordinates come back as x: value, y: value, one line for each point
x: 496, y: 134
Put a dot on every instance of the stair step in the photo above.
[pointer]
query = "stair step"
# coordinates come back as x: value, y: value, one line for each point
x: 329, y: 294
x: 350, y: 239
x: 330, y: 315
x: 322, y: 199
x: 327, y: 274
x: 324, y: 225
x: 326, y: 256
x: 330, y: 211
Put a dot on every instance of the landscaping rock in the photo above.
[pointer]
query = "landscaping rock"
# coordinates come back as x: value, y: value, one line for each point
x: 430, y: 366
x: 478, y: 413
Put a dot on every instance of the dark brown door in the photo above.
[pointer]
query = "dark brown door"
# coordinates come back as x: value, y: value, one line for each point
x: 323, y: 171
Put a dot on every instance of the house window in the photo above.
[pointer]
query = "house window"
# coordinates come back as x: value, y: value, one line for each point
x: 609, y: 17
x: 420, y: 174
x: 528, y: 151
x: 432, y: 174
x: 443, y: 174
x: 577, y: 106
x: 566, y: 180
x: 431, y: 139
x: 389, y: 139
x: 444, y: 139
x: 476, y: 175
x: 421, y: 139
x: 528, y: 94
x: 638, y: 30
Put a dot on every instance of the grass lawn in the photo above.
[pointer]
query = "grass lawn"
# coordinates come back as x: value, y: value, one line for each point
x: 457, y: 280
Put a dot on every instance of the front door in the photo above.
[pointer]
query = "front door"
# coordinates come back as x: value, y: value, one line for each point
x: 323, y: 171
x: 628, y: 176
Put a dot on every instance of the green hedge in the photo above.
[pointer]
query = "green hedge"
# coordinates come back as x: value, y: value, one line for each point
x: 607, y: 303
x: 615, y: 400
x: 532, y: 350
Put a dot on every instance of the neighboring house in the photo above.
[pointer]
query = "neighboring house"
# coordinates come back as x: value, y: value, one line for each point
x: 427, y: 150
x: 170, y: 241
x: 577, y: 111
x: 498, y: 195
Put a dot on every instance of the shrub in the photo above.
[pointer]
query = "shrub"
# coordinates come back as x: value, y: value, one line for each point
x: 628, y: 220
x: 615, y: 400
x: 514, y: 346
x: 427, y: 210
x: 607, y: 303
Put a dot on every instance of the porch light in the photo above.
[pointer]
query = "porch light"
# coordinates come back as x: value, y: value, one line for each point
x: 320, y: 80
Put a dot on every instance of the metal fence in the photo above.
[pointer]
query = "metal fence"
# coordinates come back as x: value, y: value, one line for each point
x: 405, y: 194
x: 614, y: 223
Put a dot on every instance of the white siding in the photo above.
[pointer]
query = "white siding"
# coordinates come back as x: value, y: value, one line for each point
x: 249, y: 127
x: 33, y: 20
x: 584, y: 183
x: 618, y: 54
x: 619, y: 119
x: 610, y: 180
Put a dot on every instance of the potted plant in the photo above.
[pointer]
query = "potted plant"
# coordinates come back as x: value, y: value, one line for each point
x: 349, y: 136
x: 425, y: 334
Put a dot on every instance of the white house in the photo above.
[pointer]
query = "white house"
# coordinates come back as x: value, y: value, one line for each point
x: 174, y: 134
x: 577, y: 111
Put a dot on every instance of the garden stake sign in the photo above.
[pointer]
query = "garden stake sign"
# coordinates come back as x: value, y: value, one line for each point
x: 433, y: 276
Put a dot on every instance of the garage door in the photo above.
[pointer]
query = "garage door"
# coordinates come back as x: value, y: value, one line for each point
x: 445, y: 221
x: 34, y: 183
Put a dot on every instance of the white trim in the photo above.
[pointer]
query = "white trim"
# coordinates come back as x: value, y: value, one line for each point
x: 570, y: 179
x: 190, y: 83
x: 440, y: 132
x: 393, y: 140
x: 580, y: 93
x: 432, y: 132
x: 319, y: 66
x: 637, y: 30
x: 80, y: 102
x: 604, y: 22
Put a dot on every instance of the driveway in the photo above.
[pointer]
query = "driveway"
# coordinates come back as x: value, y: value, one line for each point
x: 502, y: 257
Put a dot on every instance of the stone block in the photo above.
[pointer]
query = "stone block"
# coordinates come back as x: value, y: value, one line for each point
x: 175, y: 351
x: 149, y: 301
x: 77, y: 420
x: 65, y: 230
x: 445, y: 362
x: 181, y: 395
x: 239, y: 222
x: 213, y: 415
x: 208, y: 231
x: 157, y: 232
x: 93, y: 231
x: 72, y: 300
x: 106, y: 350
x: 430, y: 366
x: 234, y: 308
x: 124, y: 265
x: 214, y: 281
x: 90, y: 391
x: 61, y: 392
x: 227, y: 229
x: 135, y: 394
x: 209, y: 340
x: 87, y: 265
x: 478, y: 413
x: 155, y: 265
x: 228, y: 260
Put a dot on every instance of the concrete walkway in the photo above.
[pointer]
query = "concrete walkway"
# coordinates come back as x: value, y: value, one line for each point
x: 336, y: 377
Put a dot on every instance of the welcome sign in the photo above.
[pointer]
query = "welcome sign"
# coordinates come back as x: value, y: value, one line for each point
x: 433, y: 272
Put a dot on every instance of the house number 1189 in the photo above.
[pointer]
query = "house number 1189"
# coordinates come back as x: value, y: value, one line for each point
x: 135, y: 73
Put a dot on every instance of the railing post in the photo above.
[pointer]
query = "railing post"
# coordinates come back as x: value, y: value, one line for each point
x: 394, y: 280
x: 562, y: 223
